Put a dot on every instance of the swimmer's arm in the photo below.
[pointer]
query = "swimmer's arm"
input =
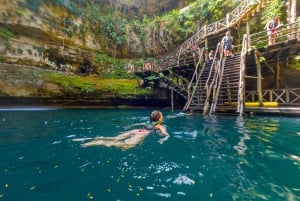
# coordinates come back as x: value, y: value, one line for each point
x: 164, y: 139
x: 162, y: 130
x: 81, y: 139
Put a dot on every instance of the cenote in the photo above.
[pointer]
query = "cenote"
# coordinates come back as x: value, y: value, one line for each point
x: 205, y: 158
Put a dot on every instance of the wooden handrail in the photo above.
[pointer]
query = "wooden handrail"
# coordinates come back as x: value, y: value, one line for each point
x: 285, y: 32
x: 245, y: 8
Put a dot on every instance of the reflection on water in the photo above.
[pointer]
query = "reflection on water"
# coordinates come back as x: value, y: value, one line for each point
x: 206, y: 158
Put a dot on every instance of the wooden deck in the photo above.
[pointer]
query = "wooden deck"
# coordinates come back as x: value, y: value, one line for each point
x: 278, y: 111
x: 221, y: 85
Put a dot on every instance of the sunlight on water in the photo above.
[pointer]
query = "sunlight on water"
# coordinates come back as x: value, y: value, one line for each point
x: 205, y: 158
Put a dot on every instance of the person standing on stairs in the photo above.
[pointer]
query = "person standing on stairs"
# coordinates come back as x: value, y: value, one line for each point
x: 211, y: 55
x: 227, y: 44
x: 272, y: 29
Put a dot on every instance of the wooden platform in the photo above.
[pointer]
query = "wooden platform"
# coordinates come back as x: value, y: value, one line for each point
x: 281, y: 111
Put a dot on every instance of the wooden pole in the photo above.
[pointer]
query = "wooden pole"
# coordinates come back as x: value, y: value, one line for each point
x: 277, y: 73
x: 172, y: 99
x: 248, y: 34
x: 228, y: 20
x: 293, y: 13
x: 266, y: 63
x: 241, y: 101
x: 206, y: 42
x: 258, y: 87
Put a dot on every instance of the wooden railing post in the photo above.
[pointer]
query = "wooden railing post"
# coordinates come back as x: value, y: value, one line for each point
x: 228, y: 20
x: 241, y: 95
x: 277, y: 73
x: 206, y: 42
x: 248, y: 35
x: 259, y: 78
x: 172, y: 98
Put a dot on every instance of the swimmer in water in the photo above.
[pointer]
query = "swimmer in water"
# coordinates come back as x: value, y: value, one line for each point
x: 156, y: 119
x: 125, y: 140
x: 131, y: 138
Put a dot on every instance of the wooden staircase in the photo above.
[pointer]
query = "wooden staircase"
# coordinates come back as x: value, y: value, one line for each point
x: 198, y: 96
x: 217, y: 87
x: 179, y: 89
x: 201, y: 89
x: 228, y: 93
x: 184, y: 88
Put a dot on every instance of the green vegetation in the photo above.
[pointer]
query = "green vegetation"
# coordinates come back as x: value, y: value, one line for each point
x: 2, y: 58
x: 153, y: 78
x: 119, y: 87
x: 113, y: 28
x: 274, y: 8
x: 5, y: 35
x: 112, y: 68
x: 71, y: 82
x: 77, y: 84
x: 182, y: 24
x: 295, y: 63
x: 111, y: 24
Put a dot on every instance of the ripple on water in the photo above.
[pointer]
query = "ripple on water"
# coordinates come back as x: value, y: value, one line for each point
x: 163, y: 167
x: 211, y: 158
x: 183, y: 179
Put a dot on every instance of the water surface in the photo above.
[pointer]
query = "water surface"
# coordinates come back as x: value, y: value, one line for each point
x: 206, y: 158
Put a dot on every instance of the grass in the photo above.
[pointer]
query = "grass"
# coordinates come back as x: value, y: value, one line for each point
x: 73, y: 83
x: 117, y: 87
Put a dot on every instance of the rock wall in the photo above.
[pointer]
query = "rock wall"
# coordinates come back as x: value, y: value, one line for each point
x: 55, y: 39
x: 37, y: 42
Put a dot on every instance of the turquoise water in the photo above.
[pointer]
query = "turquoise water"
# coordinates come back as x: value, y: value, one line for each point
x: 206, y: 158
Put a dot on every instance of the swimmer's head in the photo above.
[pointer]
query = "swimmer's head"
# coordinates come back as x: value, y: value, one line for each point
x: 156, y: 116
